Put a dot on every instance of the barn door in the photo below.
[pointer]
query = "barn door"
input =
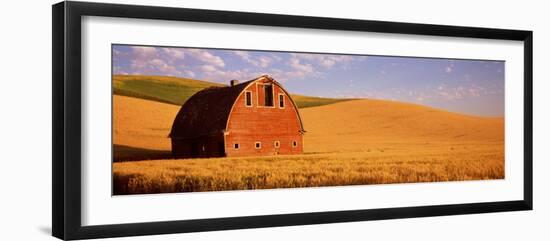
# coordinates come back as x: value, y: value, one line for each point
x: 221, y: 149
x: 194, y: 149
x: 265, y: 95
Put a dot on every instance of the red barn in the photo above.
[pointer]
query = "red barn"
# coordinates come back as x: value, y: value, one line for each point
x: 254, y: 118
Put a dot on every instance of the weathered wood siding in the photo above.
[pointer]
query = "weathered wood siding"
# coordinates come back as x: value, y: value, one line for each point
x: 248, y: 125
x: 207, y: 146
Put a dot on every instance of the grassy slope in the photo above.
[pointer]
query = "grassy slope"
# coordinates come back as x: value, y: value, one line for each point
x: 173, y: 90
x: 164, y: 89
x: 303, y: 101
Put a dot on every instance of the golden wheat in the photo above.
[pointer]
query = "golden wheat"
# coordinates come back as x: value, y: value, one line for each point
x: 312, y: 170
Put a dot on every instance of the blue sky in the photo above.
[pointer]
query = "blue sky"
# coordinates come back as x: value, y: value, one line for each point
x: 473, y: 87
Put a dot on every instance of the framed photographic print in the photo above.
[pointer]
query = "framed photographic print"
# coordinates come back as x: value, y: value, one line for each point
x: 161, y: 114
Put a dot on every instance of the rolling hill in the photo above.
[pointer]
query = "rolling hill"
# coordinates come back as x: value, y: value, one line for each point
x: 361, y: 125
x: 171, y: 90
x: 174, y: 90
x: 356, y: 125
x: 355, y: 142
x: 141, y: 127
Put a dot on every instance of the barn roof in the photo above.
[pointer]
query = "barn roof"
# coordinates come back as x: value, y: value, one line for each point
x: 207, y: 111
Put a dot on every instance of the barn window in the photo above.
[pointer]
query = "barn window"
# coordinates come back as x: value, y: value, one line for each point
x: 281, y: 101
x: 248, y: 98
x: 258, y: 145
x: 294, y: 143
x: 277, y: 144
x: 268, y: 94
x: 236, y: 146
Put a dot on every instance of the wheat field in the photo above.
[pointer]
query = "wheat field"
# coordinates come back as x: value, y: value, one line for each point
x: 355, y: 142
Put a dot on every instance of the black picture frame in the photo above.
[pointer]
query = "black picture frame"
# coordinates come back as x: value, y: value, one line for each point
x: 66, y: 152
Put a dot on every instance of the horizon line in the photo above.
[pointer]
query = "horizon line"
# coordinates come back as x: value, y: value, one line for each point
x: 342, y: 98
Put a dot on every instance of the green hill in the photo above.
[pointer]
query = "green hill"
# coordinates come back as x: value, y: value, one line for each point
x: 165, y: 89
x: 303, y: 101
x: 174, y: 90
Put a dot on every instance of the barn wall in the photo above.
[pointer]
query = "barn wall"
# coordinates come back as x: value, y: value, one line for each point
x: 248, y: 125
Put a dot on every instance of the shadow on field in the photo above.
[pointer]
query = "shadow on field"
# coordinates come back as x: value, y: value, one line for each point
x: 123, y: 153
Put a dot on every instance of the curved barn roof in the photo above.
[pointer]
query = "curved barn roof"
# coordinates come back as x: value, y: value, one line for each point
x: 207, y: 111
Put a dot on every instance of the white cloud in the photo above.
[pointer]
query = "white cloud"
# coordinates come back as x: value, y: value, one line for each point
x: 157, y: 62
x: 245, y: 56
x: 450, y: 67
x: 138, y: 64
x: 310, y: 57
x: 208, y: 68
x: 144, y: 52
x: 174, y: 53
x: 142, y: 59
x: 350, y: 82
x: 328, y: 63
x: 460, y: 92
x: 366, y: 93
x: 119, y: 54
x: 298, y: 66
x: 262, y: 61
x: 207, y: 57
x: 155, y: 66
x: 242, y: 54
x: 340, y: 58
x: 276, y: 57
x: 325, y: 60
x: 474, y: 92
x: 213, y: 74
x: 118, y: 70
x: 163, y: 67
x: 295, y: 74
x: 171, y: 70
x: 188, y: 73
